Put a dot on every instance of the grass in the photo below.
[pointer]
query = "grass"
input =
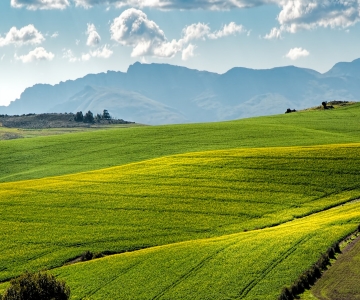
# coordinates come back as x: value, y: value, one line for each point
x: 202, y: 211
x: 248, y: 265
x: 47, y: 221
x: 78, y: 152
x: 340, y: 281
x: 17, y: 133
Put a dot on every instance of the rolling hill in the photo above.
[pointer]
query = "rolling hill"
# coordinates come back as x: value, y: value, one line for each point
x: 166, y: 94
x: 199, y: 211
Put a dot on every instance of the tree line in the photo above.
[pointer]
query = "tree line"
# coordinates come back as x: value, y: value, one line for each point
x: 89, y: 117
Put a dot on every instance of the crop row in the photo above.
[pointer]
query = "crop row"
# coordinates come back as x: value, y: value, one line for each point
x: 248, y: 265
x: 45, y: 222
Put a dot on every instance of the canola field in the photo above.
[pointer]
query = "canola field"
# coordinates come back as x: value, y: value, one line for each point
x: 232, y: 210
x: 79, y: 152
x: 211, y: 194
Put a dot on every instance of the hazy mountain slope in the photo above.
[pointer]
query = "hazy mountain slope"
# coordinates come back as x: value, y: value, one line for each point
x: 345, y: 69
x: 122, y: 104
x: 176, y: 94
x: 44, y: 97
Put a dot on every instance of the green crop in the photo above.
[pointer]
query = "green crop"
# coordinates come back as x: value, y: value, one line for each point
x: 77, y: 152
x: 47, y: 221
x: 249, y: 265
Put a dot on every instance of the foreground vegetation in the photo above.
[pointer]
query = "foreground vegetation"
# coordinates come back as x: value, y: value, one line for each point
x: 79, y: 152
x: 202, y: 211
x: 197, y: 195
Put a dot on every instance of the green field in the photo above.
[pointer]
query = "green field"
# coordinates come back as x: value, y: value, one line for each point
x: 203, y: 211
x: 340, y: 281
x: 77, y: 152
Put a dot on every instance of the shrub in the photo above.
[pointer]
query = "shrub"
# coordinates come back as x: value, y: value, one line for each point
x: 37, y: 286
x: 87, y: 255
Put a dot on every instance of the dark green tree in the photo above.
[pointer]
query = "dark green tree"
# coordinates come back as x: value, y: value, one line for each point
x: 106, y: 115
x: 79, y: 117
x: 89, y: 117
x: 37, y: 286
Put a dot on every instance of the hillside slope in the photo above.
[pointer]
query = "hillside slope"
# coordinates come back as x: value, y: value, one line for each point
x: 46, y: 222
x: 78, y: 152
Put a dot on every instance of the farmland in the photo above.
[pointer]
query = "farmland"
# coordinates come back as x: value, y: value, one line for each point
x: 78, y: 152
x: 200, y: 211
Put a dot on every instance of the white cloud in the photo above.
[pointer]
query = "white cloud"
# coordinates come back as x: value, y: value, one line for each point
x: 103, y: 52
x: 177, y: 4
x: 40, y: 4
x: 188, y: 52
x: 86, y: 57
x: 2, y: 57
x: 26, y: 35
x: 93, y: 37
x: 37, y: 54
x: 54, y: 35
x: 229, y: 29
x: 275, y: 33
x: 69, y: 55
x: 195, y: 32
x: 133, y: 28
x: 296, y: 53
x: 310, y: 14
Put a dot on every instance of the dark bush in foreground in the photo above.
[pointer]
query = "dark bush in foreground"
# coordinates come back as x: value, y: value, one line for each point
x: 309, y: 277
x: 37, y: 286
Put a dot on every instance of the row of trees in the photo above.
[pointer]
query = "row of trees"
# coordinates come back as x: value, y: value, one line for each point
x: 89, y: 117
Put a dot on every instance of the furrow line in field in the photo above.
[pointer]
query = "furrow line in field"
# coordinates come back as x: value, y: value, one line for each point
x: 191, y: 271
x: 247, y: 289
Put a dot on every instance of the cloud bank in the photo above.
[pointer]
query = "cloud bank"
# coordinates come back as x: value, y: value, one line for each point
x: 40, y: 4
x: 133, y: 29
x: 176, y: 4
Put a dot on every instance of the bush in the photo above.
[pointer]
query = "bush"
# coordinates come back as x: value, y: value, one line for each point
x: 37, y: 286
x: 87, y: 255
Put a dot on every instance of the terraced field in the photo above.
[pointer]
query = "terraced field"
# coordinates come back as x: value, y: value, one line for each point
x: 240, y: 220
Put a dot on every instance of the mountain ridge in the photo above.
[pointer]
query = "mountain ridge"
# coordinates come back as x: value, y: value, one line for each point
x: 165, y: 94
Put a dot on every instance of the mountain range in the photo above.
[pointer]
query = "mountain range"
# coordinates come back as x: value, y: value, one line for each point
x: 164, y: 94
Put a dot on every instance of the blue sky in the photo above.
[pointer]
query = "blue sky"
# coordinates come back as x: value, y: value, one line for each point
x: 48, y: 41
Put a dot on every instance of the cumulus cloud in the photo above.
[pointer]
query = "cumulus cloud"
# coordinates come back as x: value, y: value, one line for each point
x: 196, y: 32
x: 298, y: 15
x: 296, y: 53
x: 275, y: 33
x: 229, y: 29
x: 26, y: 35
x: 37, y: 54
x: 188, y: 52
x: 69, y: 55
x: 177, y: 4
x: 133, y: 28
x: 103, y: 52
x: 309, y: 14
x: 93, y: 37
x: 40, y: 4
